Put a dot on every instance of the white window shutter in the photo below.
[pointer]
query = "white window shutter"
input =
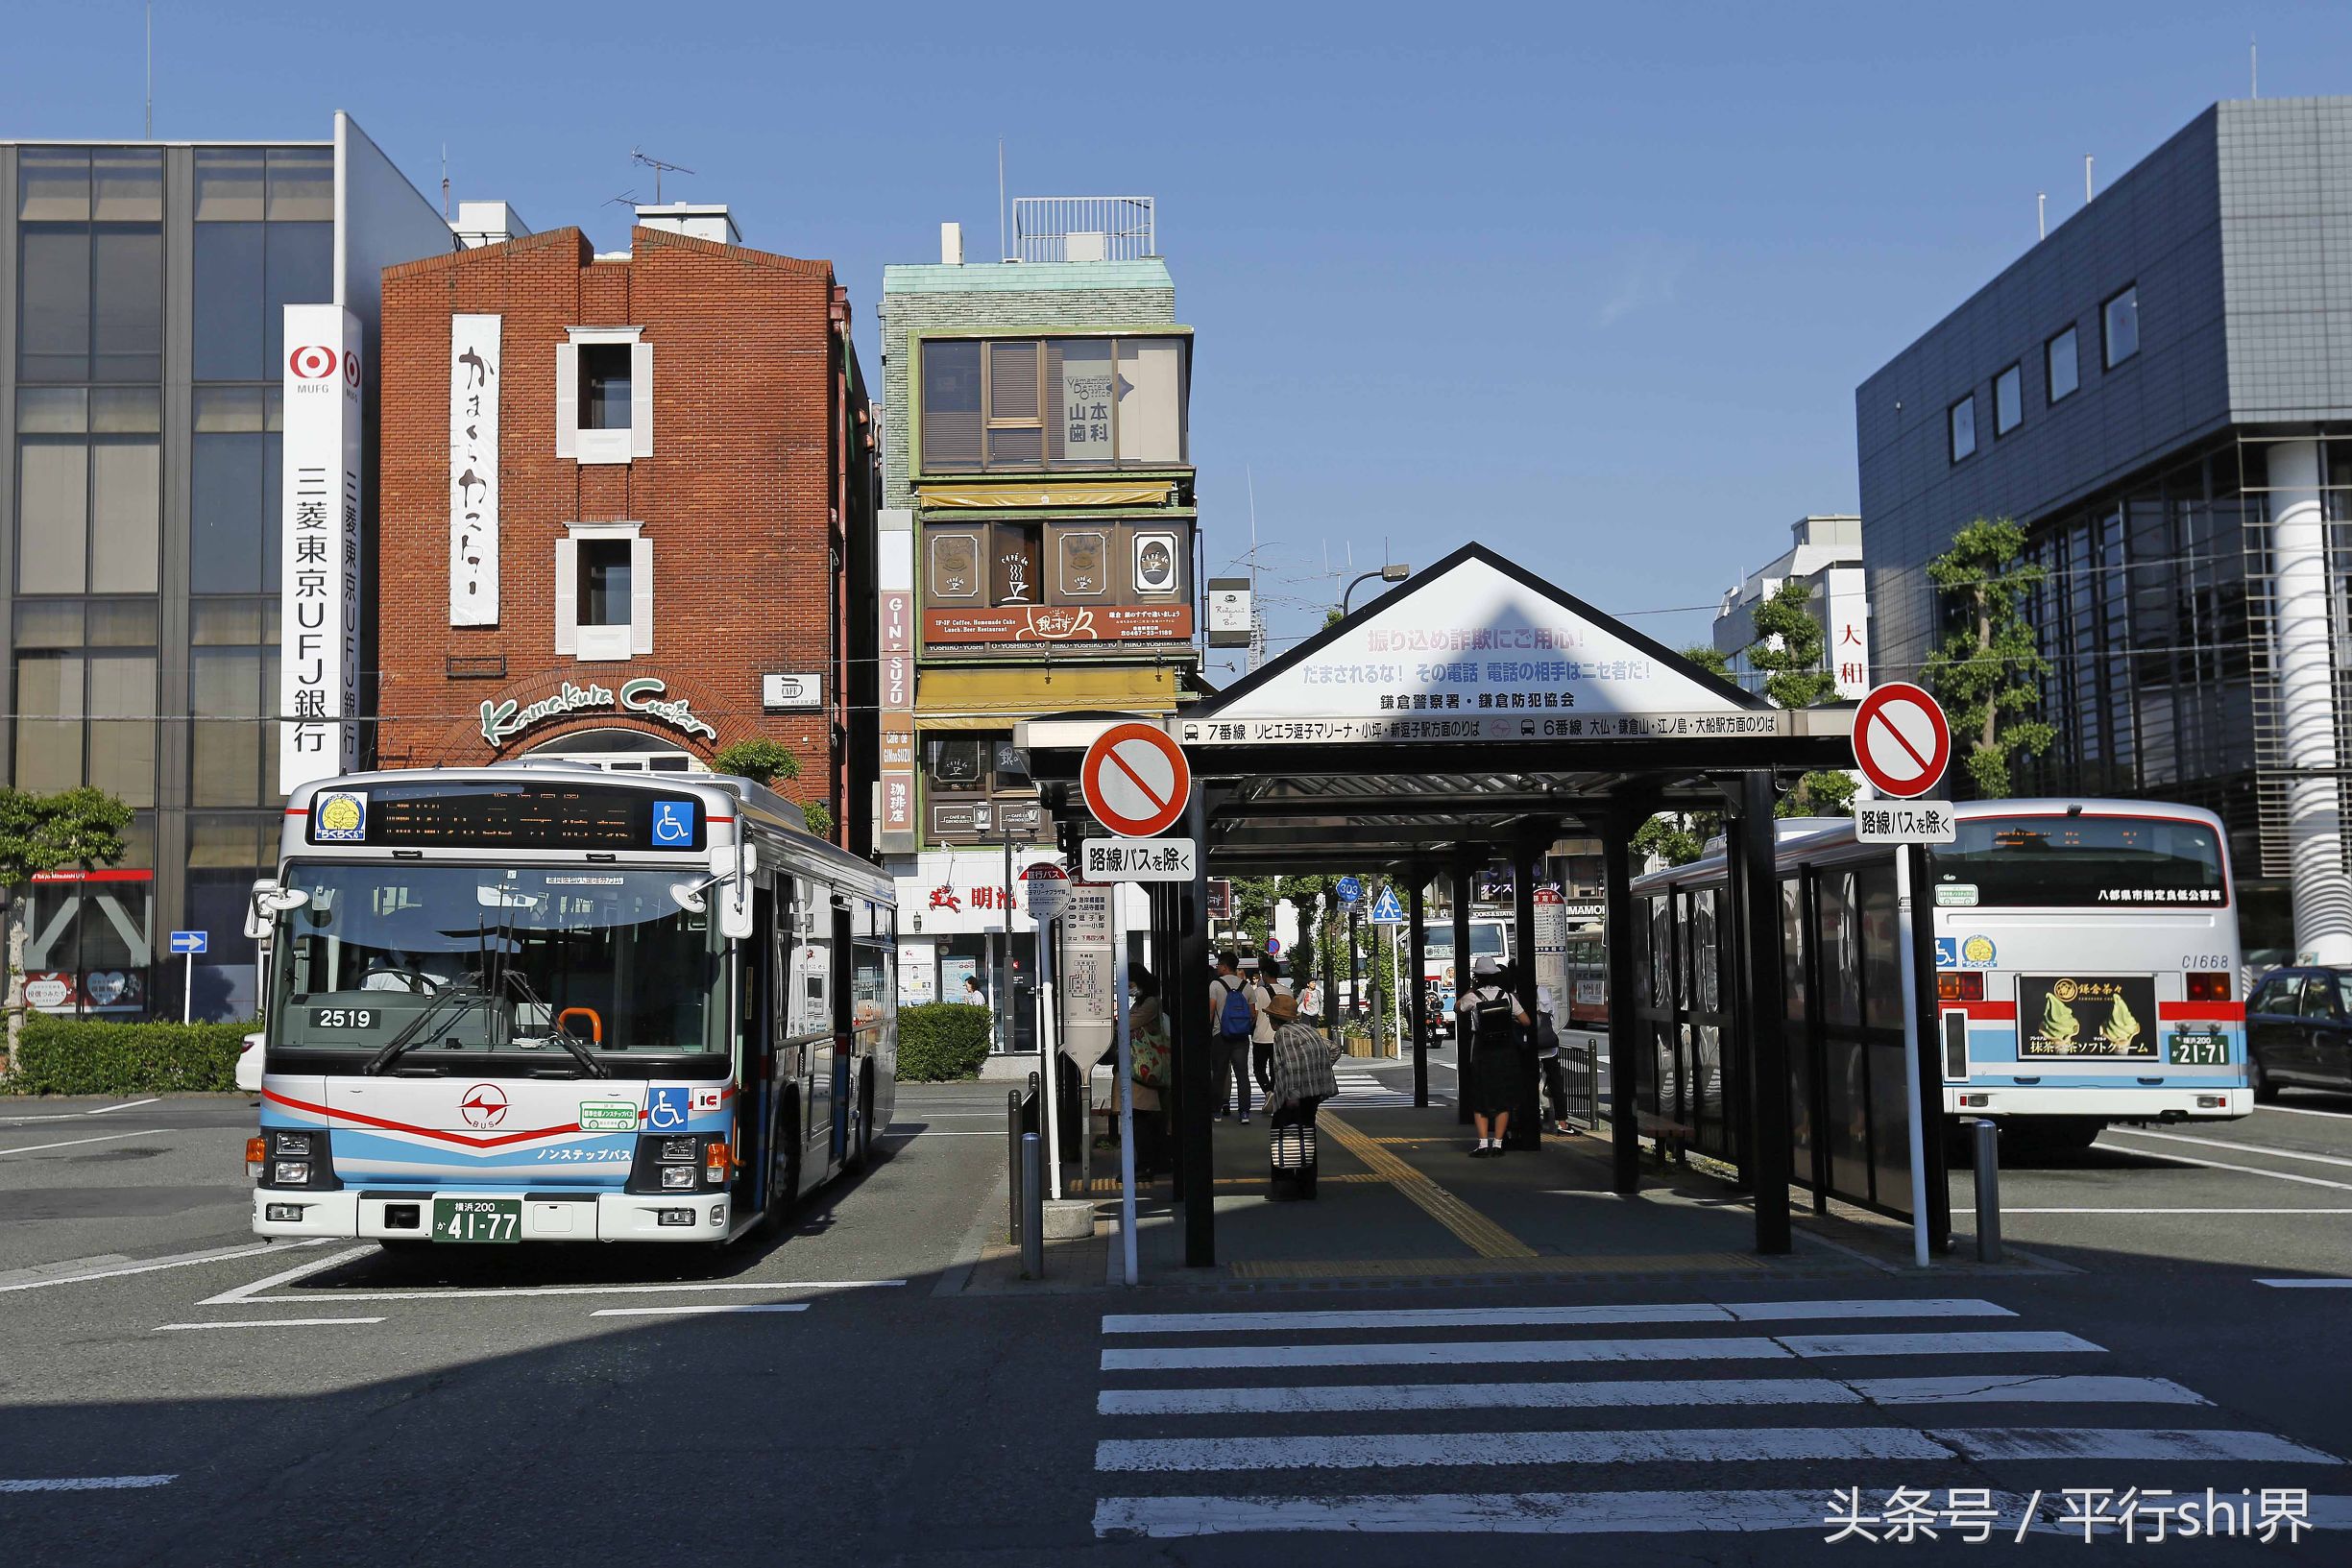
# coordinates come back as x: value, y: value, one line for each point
x: 640, y: 595
x: 641, y: 400
x: 567, y: 400
x: 567, y: 595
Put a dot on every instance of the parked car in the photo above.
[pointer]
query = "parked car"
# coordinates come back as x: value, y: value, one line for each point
x: 2299, y: 1031
x: 249, y: 1064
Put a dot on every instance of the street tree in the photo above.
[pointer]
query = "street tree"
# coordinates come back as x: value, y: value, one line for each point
x: 1679, y: 837
x: 83, y: 826
x: 1987, y: 672
x: 764, y: 762
x: 1788, y: 649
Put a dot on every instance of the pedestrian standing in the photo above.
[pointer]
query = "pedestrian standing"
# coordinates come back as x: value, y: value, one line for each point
x: 1548, y: 1052
x: 1232, y: 1016
x: 1491, y: 1022
x: 1148, y: 1049
x: 1269, y: 985
x: 1299, y: 1080
x: 973, y: 996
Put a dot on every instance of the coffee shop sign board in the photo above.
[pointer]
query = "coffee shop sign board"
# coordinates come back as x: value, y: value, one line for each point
x: 646, y: 695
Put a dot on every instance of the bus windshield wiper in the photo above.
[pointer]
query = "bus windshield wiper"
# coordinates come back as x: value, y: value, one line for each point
x: 563, y: 1036
x: 466, y: 992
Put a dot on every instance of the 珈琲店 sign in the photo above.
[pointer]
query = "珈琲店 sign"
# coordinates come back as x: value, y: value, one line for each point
x: 1060, y: 623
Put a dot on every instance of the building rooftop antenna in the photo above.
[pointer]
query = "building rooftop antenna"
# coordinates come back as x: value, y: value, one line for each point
x: 444, y: 182
x: 659, y: 168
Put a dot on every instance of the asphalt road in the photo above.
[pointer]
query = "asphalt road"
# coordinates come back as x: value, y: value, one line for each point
x: 175, y: 1393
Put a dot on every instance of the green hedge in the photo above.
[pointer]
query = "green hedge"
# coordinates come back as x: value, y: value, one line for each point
x: 942, y: 1040
x: 71, y: 1057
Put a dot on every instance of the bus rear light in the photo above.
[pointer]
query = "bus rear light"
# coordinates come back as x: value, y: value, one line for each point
x: 2209, y: 985
x: 1952, y: 987
x: 1976, y: 1103
x: 256, y: 1156
x: 2209, y: 1102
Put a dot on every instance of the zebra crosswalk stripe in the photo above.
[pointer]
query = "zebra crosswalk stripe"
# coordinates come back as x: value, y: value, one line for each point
x: 1223, y: 1393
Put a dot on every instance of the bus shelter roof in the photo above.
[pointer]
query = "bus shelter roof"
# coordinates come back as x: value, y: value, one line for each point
x: 1476, y: 701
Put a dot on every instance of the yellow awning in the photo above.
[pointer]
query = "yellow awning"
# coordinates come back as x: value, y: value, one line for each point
x: 1113, y: 492
x: 993, y: 698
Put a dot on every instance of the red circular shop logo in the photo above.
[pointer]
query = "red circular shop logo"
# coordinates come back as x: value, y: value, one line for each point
x: 312, y: 362
x: 484, y: 1106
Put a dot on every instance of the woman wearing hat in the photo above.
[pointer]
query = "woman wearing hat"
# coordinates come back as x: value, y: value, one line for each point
x: 1299, y: 1080
x: 1491, y: 1022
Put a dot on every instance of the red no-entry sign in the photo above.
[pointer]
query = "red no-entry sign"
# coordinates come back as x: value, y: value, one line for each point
x: 1901, y: 742
x: 1135, y: 779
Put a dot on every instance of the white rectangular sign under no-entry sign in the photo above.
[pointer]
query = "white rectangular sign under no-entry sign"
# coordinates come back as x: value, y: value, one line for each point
x: 1904, y: 822
x: 1140, y: 860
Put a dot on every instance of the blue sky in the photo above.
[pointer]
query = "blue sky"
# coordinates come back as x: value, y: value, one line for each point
x: 1593, y: 285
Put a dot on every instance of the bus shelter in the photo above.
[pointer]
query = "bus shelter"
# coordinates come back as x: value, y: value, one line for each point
x: 1477, y: 713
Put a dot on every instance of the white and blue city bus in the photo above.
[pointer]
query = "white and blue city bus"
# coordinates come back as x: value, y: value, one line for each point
x: 520, y: 1003
x: 2086, y: 971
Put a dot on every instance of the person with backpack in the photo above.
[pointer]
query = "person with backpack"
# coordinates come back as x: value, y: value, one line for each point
x: 1146, y: 1029
x: 1493, y: 1023
x: 1234, y: 1017
x: 1547, y: 1054
x: 1269, y: 985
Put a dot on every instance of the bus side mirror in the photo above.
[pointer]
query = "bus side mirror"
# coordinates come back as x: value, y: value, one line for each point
x: 257, y: 921
x: 731, y: 865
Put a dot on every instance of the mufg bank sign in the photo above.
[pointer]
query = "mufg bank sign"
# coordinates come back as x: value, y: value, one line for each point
x: 317, y: 684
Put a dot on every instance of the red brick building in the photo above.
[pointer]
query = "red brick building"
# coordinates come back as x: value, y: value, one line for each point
x: 627, y: 509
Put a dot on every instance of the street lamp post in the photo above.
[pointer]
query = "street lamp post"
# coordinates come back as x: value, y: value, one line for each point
x: 1396, y: 571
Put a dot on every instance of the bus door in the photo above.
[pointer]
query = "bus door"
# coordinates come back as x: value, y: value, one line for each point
x: 755, y: 1053
x: 844, y: 1037
x: 809, y: 1004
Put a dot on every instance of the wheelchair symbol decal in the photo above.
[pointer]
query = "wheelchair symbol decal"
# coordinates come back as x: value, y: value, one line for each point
x: 673, y: 821
x: 665, y: 1109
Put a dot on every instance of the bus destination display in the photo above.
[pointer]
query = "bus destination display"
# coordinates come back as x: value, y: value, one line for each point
x: 523, y: 817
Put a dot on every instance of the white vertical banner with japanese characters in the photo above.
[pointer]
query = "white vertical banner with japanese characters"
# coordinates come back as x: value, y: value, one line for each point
x: 1089, y: 969
x: 318, y: 664
x: 473, y: 470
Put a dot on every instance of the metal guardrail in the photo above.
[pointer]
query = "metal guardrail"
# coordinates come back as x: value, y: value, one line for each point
x: 1084, y: 229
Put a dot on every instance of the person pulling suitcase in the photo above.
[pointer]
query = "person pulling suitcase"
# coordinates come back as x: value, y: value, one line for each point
x: 1299, y: 1079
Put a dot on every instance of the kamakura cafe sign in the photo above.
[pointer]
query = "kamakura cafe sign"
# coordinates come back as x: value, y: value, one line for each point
x: 502, y: 721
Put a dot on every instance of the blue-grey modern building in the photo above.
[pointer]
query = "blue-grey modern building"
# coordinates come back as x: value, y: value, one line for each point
x: 143, y: 288
x: 2160, y: 389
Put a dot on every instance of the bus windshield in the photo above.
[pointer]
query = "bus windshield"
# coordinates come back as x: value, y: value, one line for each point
x: 1485, y: 937
x: 2111, y: 861
x: 500, y: 958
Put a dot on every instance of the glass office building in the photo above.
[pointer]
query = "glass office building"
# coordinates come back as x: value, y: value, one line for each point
x: 2161, y: 392
x: 140, y: 359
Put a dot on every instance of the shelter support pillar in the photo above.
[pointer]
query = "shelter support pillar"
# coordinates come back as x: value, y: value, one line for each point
x: 1466, y: 884
x: 1418, y: 993
x: 1527, y: 846
x: 1763, y: 1007
x: 1625, y: 1027
x: 1189, y: 972
x: 1175, y: 1014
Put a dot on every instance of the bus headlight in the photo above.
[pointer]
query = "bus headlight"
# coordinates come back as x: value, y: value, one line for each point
x: 678, y: 1151
x: 290, y: 1174
x: 297, y: 1143
x: 677, y: 1176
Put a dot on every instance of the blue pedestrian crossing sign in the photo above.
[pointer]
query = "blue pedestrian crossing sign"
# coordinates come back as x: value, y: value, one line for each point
x: 1385, y: 908
x: 1349, y: 890
x: 189, y: 941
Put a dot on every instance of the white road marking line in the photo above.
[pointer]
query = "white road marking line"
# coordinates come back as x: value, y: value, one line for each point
x: 1522, y: 1351
x: 2018, y: 1389
x: 265, y: 1323
x: 2305, y: 1110
x: 87, y: 1484
x: 2242, y: 1148
x: 1627, y: 1393
x: 2176, y: 1209
x: 1694, y: 1445
x: 702, y: 1309
x: 1381, y: 1451
x: 76, y: 1115
x: 1530, y: 1513
x: 72, y: 1143
x: 1693, y: 1312
x: 2307, y: 1284
x: 935, y: 1132
x: 477, y: 1292
x: 1984, y: 1443
x: 2217, y: 1165
x: 301, y: 1270
x: 185, y: 1260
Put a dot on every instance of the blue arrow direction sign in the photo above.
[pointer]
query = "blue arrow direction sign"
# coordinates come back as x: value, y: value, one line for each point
x: 1386, y: 910
x: 189, y: 941
x: 1349, y: 890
